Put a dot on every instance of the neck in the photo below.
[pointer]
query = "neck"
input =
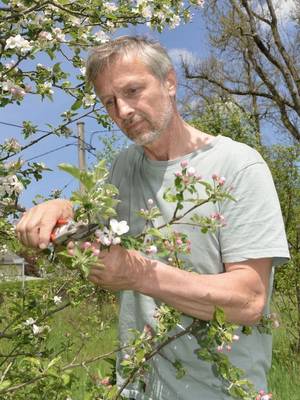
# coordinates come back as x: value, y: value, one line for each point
x: 176, y: 141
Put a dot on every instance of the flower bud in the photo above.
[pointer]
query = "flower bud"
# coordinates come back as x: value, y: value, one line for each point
x: 184, y: 163
x: 191, y: 171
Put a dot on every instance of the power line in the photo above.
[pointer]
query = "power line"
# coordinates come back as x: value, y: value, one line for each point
x: 51, y: 151
x: 20, y: 126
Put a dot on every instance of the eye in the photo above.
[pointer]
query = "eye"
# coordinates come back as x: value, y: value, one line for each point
x: 109, y: 103
x: 132, y: 91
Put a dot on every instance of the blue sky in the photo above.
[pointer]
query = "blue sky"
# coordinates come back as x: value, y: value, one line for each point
x: 189, y: 38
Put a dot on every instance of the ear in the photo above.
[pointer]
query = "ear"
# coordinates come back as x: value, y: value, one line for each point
x: 171, y: 82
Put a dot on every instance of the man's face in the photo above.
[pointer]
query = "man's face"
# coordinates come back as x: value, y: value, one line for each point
x: 136, y: 100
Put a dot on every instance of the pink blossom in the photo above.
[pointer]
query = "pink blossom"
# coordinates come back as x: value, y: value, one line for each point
x: 17, y: 92
x: 105, y: 381
x: 150, y: 202
x: 235, y: 338
x: 184, y: 163
x: 218, y: 217
x: 222, y: 180
x: 191, y: 171
x: 228, y: 347
x: 148, y: 330
x: 151, y: 249
x: 86, y: 245
x: 220, y: 349
x: 178, y: 174
x: 179, y: 242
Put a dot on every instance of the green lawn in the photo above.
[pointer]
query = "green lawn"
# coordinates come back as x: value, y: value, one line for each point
x: 93, y: 329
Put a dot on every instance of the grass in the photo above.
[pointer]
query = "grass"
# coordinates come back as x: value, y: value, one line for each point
x: 93, y: 330
x: 90, y: 336
x: 284, y: 375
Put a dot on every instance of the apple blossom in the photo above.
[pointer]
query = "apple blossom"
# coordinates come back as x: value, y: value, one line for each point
x: 151, y: 249
x: 45, y: 35
x: 57, y: 300
x: 29, y: 321
x: 184, y: 163
x: 101, y: 37
x: 191, y: 171
x: 118, y: 228
x: 19, y: 43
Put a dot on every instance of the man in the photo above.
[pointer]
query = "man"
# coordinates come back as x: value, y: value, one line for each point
x: 135, y: 80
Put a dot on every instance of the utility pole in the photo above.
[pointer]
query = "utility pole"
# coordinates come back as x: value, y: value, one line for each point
x: 81, y: 150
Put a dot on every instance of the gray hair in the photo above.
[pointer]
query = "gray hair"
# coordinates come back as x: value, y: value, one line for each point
x: 150, y: 52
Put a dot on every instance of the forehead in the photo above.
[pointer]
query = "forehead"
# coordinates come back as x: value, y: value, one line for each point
x: 121, y: 72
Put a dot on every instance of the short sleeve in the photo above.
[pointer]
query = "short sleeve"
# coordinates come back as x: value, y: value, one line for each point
x: 254, y: 224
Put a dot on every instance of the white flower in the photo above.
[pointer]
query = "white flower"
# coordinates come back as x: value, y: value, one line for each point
x: 37, y: 329
x: 151, y: 249
x: 191, y: 171
x: 116, y: 240
x: 10, y: 185
x: 175, y: 21
x: 105, y: 237
x: 110, y: 6
x: 29, y: 321
x: 12, y: 145
x: 89, y: 100
x: 118, y: 228
x: 59, y: 35
x: 45, y: 36
x: 19, y: 43
x: 7, y: 85
x: 83, y: 70
x: 46, y: 88
x: 147, y: 12
x: 101, y: 37
x: 57, y: 300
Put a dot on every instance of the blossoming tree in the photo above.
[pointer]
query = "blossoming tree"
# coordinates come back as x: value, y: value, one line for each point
x: 29, y: 366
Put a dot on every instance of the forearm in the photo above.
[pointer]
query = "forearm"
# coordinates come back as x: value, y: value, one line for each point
x: 240, y: 293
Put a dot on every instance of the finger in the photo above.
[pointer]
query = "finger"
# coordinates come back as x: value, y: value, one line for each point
x: 71, y: 248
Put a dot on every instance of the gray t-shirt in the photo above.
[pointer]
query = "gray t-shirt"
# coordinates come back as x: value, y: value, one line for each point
x: 254, y: 229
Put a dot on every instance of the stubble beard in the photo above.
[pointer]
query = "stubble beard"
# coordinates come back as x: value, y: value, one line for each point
x: 149, y: 136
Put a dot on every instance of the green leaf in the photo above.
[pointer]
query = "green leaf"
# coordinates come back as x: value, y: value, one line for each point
x: 155, y: 232
x: 65, y: 378
x: 75, y: 106
x: 5, y: 384
x: 219, y: 316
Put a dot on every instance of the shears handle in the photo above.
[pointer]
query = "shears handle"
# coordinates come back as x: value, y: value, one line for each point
x: 56, y: 230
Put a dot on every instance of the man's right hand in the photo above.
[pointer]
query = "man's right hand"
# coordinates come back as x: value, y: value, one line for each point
x: 35, y: 227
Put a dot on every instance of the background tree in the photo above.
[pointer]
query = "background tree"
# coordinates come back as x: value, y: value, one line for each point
x: 228, y: 119
x: 254, y: 60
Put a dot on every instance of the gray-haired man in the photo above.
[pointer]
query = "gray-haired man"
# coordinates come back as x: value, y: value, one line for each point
x: 135, y: 80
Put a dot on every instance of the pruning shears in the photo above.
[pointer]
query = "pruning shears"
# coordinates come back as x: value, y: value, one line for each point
x: 67, y: 229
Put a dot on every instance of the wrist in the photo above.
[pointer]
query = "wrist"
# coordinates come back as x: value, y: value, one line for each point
x: 140, y: 267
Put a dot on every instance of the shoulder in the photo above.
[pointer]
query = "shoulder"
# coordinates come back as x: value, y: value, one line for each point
x: 232, y: 157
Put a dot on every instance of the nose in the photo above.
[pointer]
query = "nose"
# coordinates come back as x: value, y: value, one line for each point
x: 124, y: 110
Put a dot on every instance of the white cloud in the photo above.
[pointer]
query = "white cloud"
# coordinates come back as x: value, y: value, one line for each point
x: 179, y: 55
